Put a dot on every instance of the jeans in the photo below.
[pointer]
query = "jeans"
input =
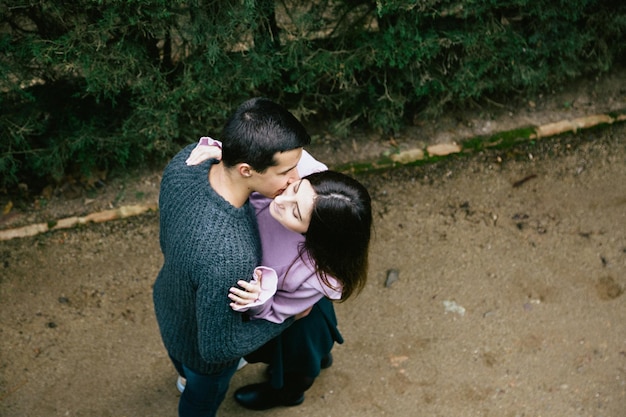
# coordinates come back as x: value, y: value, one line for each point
x: 203, y: 393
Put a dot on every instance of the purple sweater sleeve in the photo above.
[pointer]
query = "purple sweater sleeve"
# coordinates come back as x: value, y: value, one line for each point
x: 300, y: 289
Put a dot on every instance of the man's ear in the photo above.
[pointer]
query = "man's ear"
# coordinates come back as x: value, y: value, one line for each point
x: 245, y: 170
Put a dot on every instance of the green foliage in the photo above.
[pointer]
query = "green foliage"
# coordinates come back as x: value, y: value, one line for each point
x: 97, y: 84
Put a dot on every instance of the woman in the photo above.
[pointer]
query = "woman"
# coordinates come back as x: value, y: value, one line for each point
x: 325, y: 255
x: 316, y: 237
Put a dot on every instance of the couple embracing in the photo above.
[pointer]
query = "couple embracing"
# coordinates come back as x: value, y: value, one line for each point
x: 257, y: 237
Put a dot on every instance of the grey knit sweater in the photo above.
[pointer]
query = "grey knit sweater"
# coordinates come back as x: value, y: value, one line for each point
x: 207, y: 246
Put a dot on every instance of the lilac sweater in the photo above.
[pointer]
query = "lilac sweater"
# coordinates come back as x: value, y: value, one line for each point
x: 301, y: 287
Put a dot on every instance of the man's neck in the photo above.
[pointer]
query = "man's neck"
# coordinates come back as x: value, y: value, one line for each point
x: 226, y: 183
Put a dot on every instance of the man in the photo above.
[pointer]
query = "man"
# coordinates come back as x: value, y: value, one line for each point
x: 209, y: 239
x: 296, y: 356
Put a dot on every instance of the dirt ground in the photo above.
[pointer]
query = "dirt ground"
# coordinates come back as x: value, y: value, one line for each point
x: 508, y: 300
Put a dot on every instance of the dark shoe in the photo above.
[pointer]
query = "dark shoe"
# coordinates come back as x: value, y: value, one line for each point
x: 263, y: 397
x: 327, y: 361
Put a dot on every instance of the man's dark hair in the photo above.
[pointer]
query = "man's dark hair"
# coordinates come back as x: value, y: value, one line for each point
x: 257, y: 130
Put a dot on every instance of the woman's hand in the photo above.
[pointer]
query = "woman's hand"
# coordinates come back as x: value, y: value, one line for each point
x: 203, y: 153
x: 248, y: 294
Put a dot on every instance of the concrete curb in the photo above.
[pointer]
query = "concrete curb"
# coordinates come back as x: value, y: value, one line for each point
x: 508, y: 138
x: 69, y: 222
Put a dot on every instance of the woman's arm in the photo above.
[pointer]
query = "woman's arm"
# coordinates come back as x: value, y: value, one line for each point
x: 299, y: 291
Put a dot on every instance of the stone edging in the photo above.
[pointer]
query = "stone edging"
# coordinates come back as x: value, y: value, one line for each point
x: 69, y: 222
x: 505, y: 138
x: 407, y: 157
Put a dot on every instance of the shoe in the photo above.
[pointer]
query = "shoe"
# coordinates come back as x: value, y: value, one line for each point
x: 242, y: 363
x: 263, y: 397
x: 181, y: 382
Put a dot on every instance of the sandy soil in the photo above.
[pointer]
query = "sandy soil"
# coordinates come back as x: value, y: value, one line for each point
x: 508, y: 303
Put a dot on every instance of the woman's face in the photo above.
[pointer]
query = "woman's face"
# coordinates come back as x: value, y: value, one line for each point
x: 293, y: 208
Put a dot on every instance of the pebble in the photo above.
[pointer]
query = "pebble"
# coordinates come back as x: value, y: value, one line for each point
x: 392, y: 276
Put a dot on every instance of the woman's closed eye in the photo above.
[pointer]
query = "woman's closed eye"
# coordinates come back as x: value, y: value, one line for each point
x: 296, y: 210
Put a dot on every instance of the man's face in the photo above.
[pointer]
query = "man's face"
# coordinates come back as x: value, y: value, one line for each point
x: 277, y: 178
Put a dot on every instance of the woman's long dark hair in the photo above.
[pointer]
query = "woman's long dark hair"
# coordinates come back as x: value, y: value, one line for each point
x: 337, y: 241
